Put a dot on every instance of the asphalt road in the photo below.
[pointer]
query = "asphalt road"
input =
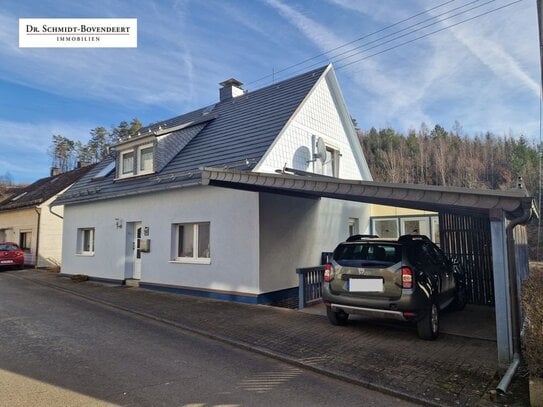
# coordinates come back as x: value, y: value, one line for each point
x: 60, y: 349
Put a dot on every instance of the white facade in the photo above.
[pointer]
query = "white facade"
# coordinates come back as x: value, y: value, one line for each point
x: 256, y: 240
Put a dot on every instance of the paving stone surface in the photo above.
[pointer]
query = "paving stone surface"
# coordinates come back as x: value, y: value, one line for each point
x: 452, y: 370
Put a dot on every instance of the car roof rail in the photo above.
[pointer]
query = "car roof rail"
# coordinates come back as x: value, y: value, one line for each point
x: 404, y: 238
x: 355, y: 238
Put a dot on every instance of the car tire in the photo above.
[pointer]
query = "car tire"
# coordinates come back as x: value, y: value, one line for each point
x: 428, y: 326
x: 336, y: 317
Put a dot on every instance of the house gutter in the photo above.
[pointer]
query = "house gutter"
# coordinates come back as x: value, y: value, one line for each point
x: 513, y: 295
x: 53, y: 213
x: 38, y: 211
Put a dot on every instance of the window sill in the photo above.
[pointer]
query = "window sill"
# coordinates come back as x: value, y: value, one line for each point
x: 189, y: 260
x: 89, y: 254
x: 133, y: 176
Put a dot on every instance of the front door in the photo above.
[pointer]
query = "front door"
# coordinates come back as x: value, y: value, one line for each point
x: 137, y: 251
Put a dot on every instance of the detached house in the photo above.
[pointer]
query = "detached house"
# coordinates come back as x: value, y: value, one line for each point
x: 26, y: 218
x: 143, y: 214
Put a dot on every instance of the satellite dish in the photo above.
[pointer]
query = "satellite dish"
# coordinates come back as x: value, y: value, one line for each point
x: 321, y: 150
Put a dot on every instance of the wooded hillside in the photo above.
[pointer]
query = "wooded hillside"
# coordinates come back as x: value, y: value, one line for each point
x: 440, y: 157
x: 452, y: 158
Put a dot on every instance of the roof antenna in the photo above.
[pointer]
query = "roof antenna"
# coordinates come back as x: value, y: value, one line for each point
x: 273, y: 75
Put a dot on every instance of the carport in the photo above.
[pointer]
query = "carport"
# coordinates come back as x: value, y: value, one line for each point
x: 485, y: 229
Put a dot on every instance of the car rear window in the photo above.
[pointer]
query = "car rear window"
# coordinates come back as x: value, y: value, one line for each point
x: 8, y: 246
x: 368, y: 254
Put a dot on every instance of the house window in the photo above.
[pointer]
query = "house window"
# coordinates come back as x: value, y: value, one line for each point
x: 85, y: 241
x: 415, y: 226
x: 386, y: 228
x: 127, y: 163
x: 353, y: 226
x: 137, y: 161
x: 330, y: 166
x: 435, y: 230
x: 145, y: 159
x: 192, y: 243
x: 25, y: 241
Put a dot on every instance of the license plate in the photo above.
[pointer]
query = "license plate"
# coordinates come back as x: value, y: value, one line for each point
x: 6, y: 261
x: 366, y: 285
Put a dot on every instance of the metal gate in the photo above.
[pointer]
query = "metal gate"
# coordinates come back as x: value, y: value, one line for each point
x: 468, y: 239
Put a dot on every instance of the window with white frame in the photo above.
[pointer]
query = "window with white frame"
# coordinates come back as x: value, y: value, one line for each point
x: 145, y: 159
x: 330, y: 166
x: 386, y: 228
x: 415, y: 226
x: 85, y: 241
x: 191, y: 242
x: 127, y: 163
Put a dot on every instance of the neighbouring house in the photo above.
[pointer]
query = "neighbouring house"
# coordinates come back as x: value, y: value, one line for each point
x: 26, y: 218
x: 391, y: 222
x: 143, y: 213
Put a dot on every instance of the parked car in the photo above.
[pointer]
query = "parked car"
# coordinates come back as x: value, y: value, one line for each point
x: 11, y: 255
x: 410, y: 279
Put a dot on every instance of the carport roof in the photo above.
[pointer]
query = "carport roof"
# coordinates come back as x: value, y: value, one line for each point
x: 427, y: 197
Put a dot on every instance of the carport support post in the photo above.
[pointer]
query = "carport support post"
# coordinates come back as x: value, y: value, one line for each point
x: 504, y: 334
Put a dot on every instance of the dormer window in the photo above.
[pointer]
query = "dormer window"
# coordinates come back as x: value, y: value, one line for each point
x: 145, y: 159
x: 139, y: 160
x: 127, y: 163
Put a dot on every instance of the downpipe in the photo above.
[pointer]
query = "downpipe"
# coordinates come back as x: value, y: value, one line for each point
x: 508, y: 376
x: 513, y: 295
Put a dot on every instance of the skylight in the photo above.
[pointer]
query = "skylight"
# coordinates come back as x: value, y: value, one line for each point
x: 104, y: 172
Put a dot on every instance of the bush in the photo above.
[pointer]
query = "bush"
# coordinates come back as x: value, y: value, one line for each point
x: 532, y: 302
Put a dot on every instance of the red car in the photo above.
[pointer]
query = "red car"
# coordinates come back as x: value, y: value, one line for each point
x: 11, y: 255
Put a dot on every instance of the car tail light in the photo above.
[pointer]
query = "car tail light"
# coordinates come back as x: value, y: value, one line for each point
x: 407, y: 277
x: 327, y: 272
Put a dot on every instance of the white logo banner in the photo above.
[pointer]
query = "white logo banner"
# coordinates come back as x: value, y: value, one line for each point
x: 78, y: 33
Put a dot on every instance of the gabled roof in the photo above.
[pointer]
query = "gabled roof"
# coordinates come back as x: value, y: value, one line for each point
x: 233, y: 133
x: 42, y: 190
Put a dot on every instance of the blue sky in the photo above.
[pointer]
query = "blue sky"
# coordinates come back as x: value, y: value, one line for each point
x: 483, y: 73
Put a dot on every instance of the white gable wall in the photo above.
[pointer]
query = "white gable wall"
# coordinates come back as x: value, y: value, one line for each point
x: 50, y: 239
x: 233, y: 217
x: 318, y: 116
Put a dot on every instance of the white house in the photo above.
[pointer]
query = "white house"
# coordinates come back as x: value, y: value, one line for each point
x: 144, y: 214
x: 26, y: 219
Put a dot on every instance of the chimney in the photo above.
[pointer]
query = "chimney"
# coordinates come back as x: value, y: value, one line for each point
x: 55, y: 171
x: 230, y: 89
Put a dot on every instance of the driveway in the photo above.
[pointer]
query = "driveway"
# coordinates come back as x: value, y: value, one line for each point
x: 453, y: 370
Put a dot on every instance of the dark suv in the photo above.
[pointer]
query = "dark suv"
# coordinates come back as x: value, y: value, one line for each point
x: 410, y: 279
